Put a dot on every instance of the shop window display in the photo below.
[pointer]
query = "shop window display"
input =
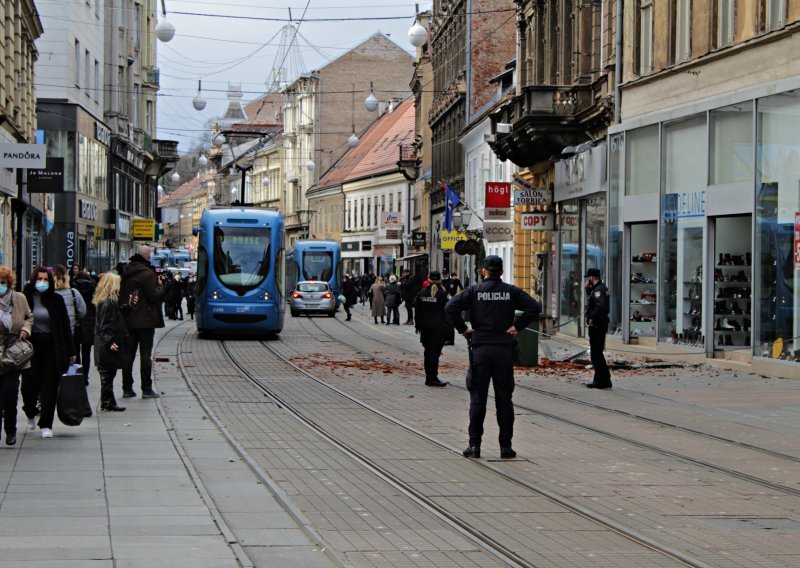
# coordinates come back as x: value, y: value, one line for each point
x: 643, y: 285
x: 733, y: 287
x: 776, y: 320
x: 683, y: 231
x: 571, y: 270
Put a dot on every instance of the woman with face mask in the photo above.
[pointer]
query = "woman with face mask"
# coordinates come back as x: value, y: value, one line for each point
x: 16, y: 322
x: 53, y: 350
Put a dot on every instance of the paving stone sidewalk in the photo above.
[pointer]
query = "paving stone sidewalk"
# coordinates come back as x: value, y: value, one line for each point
x: 156, y: 485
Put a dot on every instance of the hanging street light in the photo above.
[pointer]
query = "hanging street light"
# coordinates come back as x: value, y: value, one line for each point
x: 265, y: 181
x: 353, y: 140
x: 176, y: 177
x: 199, y: 102
x: 202, y: 160
x: 165, y: 31
x: 310, y: 165
x: 371, y: 102
x: 218, y: 140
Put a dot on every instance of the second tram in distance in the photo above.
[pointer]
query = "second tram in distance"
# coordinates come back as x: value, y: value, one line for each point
x: 315, y: 260
x: 240, y: 260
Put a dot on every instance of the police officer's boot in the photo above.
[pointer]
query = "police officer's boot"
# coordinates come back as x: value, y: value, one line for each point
x: 472, y: 452
x: 507, y: 453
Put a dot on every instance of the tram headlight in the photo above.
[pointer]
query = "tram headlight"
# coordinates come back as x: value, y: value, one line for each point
x: 216, y: 295
x: 264, y: 296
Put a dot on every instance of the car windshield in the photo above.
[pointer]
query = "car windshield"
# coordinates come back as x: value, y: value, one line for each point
x: 318, y: 265
x: 312, y: 287
x: 241, y: 256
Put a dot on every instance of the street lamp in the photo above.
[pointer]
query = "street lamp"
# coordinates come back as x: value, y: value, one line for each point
x: 418, y: 34
x: 176, y: 177
x: 371, y: 102
x: 199, y: 102
x: 165, y: 31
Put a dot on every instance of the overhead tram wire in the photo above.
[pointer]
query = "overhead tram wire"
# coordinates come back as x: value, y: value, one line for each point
x: 324, y: 20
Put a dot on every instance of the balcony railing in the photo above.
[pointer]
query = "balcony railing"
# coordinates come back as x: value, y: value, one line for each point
x: 152, y: 76
x: 166, y: 149
x: 544, y: 119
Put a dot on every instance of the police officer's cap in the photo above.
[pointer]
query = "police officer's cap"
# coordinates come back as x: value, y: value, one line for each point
x: 435, y: 275
x: 493, y: 262
x: 592, y: 272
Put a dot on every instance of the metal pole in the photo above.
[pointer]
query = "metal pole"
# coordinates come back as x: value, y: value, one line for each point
x: 244, y: 181
x: 618, y: 62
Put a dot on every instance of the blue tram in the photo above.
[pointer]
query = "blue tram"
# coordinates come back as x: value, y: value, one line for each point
x: 315, y: 260
x: 240, y: 261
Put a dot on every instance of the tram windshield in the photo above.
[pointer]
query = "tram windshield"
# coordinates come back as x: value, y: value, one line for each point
x: 241, y: 256
x: 318, y: 265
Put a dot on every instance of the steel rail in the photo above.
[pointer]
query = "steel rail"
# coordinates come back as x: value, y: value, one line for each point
x: 644, y: 445
x: 484, y: 541
x: 745, y: 445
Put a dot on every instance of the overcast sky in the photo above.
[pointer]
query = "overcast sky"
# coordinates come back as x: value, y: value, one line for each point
x: 244, y: 50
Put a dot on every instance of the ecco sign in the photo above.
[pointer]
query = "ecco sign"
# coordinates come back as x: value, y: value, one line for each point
x: 538, y: 221
x: 494, y: 231
x: 87, y: 210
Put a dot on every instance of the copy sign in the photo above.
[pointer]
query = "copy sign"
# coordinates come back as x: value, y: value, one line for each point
x: 538, y: 221
x: 498, y: 194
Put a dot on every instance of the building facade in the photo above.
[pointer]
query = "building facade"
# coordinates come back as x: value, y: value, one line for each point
x: 324, y: 107
x: 703, y: 180
x: 22, y: 213
x: 96, y: 101
x: 366, y: 196
x: 554, y: 129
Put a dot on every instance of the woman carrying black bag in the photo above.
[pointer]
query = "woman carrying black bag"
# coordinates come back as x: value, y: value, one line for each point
x: 16, y: 322
x: 110, y: 338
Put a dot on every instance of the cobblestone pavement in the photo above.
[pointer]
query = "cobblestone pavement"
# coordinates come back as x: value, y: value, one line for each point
x: 698, y: 461
x: 694, y: 489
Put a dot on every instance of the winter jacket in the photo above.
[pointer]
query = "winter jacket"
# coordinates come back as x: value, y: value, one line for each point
x: 59, y: 326
x: 111, y: 328
x: 21, y: 315
x: 86, y: 289
x: 378, y: 305
x: 392, y: 295
x: 350, y: 293
x: 76, y: 307
x: 139, y: 277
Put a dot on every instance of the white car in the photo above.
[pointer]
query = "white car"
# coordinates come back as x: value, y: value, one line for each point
x: 312, y: 296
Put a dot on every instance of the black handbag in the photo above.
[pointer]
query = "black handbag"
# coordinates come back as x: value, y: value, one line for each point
x: 72, y: 400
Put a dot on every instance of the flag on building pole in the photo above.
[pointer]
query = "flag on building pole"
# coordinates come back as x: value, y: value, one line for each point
x: 451, y: 200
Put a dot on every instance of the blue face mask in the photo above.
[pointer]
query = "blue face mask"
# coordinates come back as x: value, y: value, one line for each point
x: 3, y: 289
x: 42, y: 287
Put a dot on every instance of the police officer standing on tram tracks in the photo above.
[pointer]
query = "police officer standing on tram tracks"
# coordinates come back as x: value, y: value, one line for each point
x: 432, y: 325
x: 597, y: 323
x: 492, y: 304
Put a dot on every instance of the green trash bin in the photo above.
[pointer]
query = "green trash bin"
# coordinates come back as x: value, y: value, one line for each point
x: 528, y: 344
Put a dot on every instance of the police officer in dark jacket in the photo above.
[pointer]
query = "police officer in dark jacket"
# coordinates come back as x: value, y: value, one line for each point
x: 597, y: 321
x: 492, y: 304
x: 432, y: 325
x: 452, y: 286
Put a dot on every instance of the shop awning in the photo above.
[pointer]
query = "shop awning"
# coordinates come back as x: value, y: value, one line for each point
x: 410, y: 256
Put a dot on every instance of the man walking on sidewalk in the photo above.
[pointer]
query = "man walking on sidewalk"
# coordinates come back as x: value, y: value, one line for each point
x: 139, y: 280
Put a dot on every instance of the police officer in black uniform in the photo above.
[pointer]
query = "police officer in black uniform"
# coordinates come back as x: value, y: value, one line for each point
x: 432, y: 325
x: 597, y: 321
x: 492, y: 304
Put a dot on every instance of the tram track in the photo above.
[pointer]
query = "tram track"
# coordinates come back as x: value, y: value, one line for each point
x: 595, y: 406
x: 634, y: 442
x: 492, y: 546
